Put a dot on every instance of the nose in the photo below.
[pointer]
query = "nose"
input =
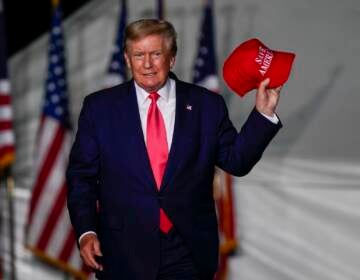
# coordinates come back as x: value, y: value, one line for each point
x: 147, y: 61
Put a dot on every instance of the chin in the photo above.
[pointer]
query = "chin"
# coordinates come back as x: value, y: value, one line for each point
x: 151, y: 87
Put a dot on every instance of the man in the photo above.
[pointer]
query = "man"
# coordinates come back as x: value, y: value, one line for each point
x: 141, y: 168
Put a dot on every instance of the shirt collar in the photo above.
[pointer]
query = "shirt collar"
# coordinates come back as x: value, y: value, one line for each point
x: 164, y: 92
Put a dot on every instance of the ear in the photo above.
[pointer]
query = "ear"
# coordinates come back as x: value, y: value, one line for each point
x: 172, y: 62
x: 127, y: 60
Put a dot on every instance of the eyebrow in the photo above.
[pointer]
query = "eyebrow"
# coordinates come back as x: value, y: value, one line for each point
x: 141, y: 51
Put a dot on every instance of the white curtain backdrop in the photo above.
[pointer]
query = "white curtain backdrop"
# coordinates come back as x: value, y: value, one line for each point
x: 298, y: 219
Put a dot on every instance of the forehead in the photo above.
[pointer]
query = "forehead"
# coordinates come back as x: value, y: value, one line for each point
x: 148, y: 42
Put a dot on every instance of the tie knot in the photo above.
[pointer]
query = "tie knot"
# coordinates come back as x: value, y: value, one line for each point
x: 154, y: 96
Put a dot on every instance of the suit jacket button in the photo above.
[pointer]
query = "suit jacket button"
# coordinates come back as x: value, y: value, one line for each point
x: 160, y: 199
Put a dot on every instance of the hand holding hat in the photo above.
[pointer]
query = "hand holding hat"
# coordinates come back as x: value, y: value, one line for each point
x: 252, y: 62
x: 267, y: 99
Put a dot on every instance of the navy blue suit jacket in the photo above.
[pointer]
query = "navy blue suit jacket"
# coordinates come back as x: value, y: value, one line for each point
x: 109, y: 164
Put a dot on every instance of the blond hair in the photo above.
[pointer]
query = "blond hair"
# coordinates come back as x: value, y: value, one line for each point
x: 145, y: 27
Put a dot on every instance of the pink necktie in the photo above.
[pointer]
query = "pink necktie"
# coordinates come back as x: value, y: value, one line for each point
x: 157, y: 148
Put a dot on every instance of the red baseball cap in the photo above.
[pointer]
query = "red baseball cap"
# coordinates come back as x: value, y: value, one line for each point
x: 252, y: 62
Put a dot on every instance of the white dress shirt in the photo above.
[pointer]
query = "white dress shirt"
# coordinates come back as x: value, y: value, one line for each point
x: 166, y: 104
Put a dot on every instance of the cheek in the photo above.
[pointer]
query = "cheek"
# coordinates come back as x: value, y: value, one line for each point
x: 136, y: 67
x: 164, y: 66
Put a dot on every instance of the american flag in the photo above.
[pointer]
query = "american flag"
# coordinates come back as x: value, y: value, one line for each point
x: 116, y: 73
x: 7, y: 149
x: 205, y: 74
x: 205, y: 66
x: 49, y: 234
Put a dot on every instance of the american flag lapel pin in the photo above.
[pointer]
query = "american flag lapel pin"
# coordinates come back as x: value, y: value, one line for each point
x: 188, y: 107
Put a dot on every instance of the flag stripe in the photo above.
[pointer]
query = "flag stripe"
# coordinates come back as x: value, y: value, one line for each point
x: 47, y: 130
x: 210, y: 82
x: 7, y: 149
x: 5, y: 112
x: 52, y: 219
x: 5, y: 125
x: 4, y: 98
x: 48, y: 196
x: 6, y: 138
x: 57, y: 241
x: 45, y: 170
x: 68, y: 246
x: 4, y: 86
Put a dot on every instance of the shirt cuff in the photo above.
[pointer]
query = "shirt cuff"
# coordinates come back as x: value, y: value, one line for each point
x: 274, y: 118
x: 85, y: 233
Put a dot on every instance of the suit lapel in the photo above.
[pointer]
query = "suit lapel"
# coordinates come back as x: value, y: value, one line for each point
x: 132, y: 116
x: 183, y: 118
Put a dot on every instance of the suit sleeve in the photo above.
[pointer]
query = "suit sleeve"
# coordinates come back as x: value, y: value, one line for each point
x: 82, y: 174
x: 237, y: 153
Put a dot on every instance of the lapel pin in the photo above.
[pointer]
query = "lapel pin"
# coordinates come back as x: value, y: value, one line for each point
x: 188, y: 107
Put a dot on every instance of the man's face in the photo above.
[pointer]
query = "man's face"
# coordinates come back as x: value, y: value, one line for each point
x: 150, y: 61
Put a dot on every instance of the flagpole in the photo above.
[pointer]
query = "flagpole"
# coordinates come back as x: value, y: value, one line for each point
x: 1, y: 224
x: 9, y: 184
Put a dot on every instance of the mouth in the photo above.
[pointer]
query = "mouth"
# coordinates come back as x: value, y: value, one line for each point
x: 149, y: 74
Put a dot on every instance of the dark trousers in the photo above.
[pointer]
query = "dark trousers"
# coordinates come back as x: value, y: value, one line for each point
x: 176, y: 262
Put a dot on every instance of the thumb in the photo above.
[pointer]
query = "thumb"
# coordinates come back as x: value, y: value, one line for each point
x: 97, y: 250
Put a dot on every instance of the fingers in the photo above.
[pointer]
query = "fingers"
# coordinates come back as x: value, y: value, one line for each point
x: 274, y: 95
x: 267, y: 99
x: 264, y: 84
x: 89, y: 249
x: 98, y: 252
x: 97, y: 248
x: 275, y: 90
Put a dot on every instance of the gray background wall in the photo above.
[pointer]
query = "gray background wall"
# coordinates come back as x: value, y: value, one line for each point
x: 298, y: 211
